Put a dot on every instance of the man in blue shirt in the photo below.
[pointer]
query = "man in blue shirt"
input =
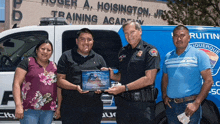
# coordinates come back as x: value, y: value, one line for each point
x: 182, y: 86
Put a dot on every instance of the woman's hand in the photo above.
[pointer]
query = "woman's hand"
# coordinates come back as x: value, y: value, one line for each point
x: 57, y: 113
x: 19, y: 112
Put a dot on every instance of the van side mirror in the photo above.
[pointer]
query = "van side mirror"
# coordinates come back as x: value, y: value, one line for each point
x: 8, y: 44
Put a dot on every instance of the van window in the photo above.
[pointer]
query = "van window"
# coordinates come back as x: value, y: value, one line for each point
x: 17, y: 46
x: 106, y: 43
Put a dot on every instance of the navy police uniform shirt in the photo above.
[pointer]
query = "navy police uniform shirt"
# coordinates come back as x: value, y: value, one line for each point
x: 71, y: 63
x: 134, y: 62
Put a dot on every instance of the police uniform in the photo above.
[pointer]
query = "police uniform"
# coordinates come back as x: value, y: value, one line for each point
x: 79, y: 108
x: 136, y: 106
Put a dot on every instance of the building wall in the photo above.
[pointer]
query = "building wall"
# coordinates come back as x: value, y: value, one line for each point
x: 77, y: 12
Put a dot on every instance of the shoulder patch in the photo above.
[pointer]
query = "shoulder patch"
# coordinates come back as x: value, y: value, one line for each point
x: 153, y: 52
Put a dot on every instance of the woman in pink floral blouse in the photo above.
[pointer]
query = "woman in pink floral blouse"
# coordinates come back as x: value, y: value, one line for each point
x: 35, y: 87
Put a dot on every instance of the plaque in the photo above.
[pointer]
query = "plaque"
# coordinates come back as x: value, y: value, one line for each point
x: 93, y: 80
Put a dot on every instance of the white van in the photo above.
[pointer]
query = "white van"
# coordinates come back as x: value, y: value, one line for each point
x: 18, y: 43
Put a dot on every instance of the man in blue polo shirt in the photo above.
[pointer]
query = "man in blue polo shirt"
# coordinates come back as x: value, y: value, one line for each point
x: 182, y: 85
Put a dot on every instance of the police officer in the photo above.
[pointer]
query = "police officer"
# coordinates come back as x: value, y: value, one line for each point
x: 139, y: 63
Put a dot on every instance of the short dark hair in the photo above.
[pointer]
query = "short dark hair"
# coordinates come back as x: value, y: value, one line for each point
x: 137, y: 25
x: 42, y: 42
x: 84, y: 30
x: 180, y: 27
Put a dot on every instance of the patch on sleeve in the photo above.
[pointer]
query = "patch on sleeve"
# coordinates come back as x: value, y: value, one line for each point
x: 153, y: 52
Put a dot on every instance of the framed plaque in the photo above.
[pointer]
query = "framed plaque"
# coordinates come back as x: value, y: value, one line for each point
x: 93, y: 80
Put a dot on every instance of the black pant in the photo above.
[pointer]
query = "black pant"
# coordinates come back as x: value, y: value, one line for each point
x: 81, y: 115
x: 130, y: 112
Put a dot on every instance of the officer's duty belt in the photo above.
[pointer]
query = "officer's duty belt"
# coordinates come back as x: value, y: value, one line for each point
x: 144, y: 95
x: 185, y: 99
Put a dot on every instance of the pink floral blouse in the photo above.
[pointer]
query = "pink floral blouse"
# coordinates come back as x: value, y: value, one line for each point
x: 39, y: 89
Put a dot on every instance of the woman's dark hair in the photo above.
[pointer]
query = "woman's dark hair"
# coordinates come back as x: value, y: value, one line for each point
x: 42, y: 42
x: 84, y: 30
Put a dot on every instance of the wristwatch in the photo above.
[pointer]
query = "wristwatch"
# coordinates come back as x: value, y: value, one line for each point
x: 126, y: 88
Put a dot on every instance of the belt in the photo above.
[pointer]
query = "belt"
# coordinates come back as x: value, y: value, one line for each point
x: 143, y: 95
x: 185, y: 99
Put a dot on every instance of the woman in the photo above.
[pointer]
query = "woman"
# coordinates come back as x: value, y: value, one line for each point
x: 35, y: 88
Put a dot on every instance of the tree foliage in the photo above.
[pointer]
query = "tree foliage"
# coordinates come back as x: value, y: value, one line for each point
x: 193, y: 12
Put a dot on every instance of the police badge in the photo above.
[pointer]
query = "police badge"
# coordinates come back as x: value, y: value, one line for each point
x: 121, y: 57
x: 139, y: 54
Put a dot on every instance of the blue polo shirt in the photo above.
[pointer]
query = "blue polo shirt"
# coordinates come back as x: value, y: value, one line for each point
x: 184, y: 72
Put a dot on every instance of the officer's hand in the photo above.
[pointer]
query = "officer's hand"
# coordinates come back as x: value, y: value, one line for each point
x: 166, y: 101
x: 78, y: 88
x: 191, y: 108
x: 98, y: 91
x: 104, y: 69
x: 110, y: 70
x: 116, y: 90
x: 19, y: 112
